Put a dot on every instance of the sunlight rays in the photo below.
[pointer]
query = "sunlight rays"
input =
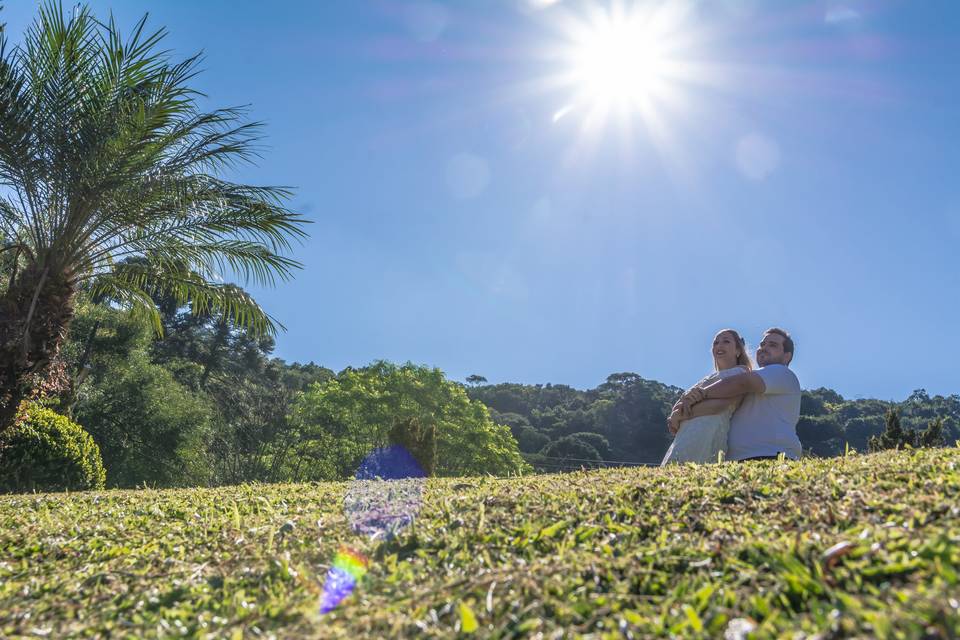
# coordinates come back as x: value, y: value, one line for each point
x: 626, y: 70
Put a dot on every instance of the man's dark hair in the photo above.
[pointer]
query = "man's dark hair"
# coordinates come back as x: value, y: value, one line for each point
x: 787, y: 340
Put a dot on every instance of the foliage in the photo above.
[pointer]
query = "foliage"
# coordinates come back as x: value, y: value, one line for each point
x: 933, y: 435
x: 48, y: 452
x: 862, y: 546
x: 248, y: 428
x: 251, y: 393
x: 627, y: 410
x: 241, y: 398
x: 818, y: 428
x: 595, y: 440
x: 149, y: 427
x: 858, y: 431
x: 342, y: 420
x: 571, y: 448
x: 894, y: 436
x: 245, y: 402
x: 530, y: 440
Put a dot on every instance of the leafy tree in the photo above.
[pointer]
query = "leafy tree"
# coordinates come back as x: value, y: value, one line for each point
x: 812, y: 405
x: 340, y: 421
x: 627, y: 410
x: 101, y: 339
x: 620, y: 381
x: 148, y: 426
x: 250, y: 428
x: 107, y: 154
x: 824, y: 396
x: 824, y: 448
x: 634, y: 418
x: 475, y: 380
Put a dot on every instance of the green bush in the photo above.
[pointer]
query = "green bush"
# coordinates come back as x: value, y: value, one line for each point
x: 49, y: 452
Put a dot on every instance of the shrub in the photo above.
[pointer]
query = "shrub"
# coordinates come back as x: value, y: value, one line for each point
x: 595, y: 440
x: 569, y: 447
x: 49, y: 452
x: 530, y: 440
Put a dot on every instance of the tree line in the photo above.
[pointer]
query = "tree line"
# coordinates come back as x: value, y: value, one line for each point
x: 204, y: 402
x: 623, y: 420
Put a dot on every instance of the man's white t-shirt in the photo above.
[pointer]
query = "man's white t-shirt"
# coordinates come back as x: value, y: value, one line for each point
x: 766, y: 423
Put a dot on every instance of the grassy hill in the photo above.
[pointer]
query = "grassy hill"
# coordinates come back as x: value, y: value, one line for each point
x: 863, y: 545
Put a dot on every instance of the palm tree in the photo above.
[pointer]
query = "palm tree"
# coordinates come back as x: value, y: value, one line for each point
x: 105, y: 155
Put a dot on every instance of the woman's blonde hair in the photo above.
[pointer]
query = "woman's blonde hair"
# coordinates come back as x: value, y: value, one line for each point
x: 743, y: 360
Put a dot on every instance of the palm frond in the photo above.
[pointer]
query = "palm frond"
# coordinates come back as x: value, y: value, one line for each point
x: 107, y: 154
x: 135, y: 285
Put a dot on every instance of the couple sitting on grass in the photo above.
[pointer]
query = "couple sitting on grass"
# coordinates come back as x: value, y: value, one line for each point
x: 738, y: 411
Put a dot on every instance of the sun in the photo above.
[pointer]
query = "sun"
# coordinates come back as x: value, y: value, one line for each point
x: 627, y: 62
x: 620, y: 61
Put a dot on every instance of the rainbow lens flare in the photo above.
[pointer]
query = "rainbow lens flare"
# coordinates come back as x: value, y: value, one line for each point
x: 348, y: 569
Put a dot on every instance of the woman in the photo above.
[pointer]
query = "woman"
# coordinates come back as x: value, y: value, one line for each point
x: 702, y: 434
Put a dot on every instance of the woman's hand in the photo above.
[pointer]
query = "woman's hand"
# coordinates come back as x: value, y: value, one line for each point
x: 683, y: 406
x: 693, y: 396
x: 673, y: 422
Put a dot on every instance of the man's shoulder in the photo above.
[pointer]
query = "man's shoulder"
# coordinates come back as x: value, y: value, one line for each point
x: 780, y: 375
x: 779, y: 369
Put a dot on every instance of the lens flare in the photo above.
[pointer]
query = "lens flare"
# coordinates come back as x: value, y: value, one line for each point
x: 383, y: 499
x: 386, y: 493
x: 348, y: 569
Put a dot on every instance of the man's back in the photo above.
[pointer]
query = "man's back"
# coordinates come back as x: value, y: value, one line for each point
x: 766, y: 424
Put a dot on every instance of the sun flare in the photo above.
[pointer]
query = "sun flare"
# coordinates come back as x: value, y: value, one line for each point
x: 620, y: 61
x: 629, y: 64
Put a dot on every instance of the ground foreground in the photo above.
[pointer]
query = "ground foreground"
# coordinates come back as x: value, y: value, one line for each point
x: 858, y: 546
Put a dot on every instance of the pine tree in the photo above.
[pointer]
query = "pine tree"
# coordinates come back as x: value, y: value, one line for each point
x: 894, y: 436
x: 933, y: 435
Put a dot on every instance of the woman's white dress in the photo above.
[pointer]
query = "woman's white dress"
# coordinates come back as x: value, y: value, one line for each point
x: 701, y: 439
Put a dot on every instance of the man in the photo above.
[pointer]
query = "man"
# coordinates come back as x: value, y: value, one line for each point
x: 765, y: 425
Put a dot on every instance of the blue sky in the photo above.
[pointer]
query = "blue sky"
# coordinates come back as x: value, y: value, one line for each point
x: 800, y: 169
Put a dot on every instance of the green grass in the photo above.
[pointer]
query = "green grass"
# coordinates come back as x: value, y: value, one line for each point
x: 621, y: 552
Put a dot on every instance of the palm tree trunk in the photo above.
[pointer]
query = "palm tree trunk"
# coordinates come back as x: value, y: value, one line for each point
x: 35, y: 312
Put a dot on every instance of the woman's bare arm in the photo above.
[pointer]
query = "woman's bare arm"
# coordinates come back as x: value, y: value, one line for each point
x: 712, y: 407
x: 726, y: 389
x: 705, y: 408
